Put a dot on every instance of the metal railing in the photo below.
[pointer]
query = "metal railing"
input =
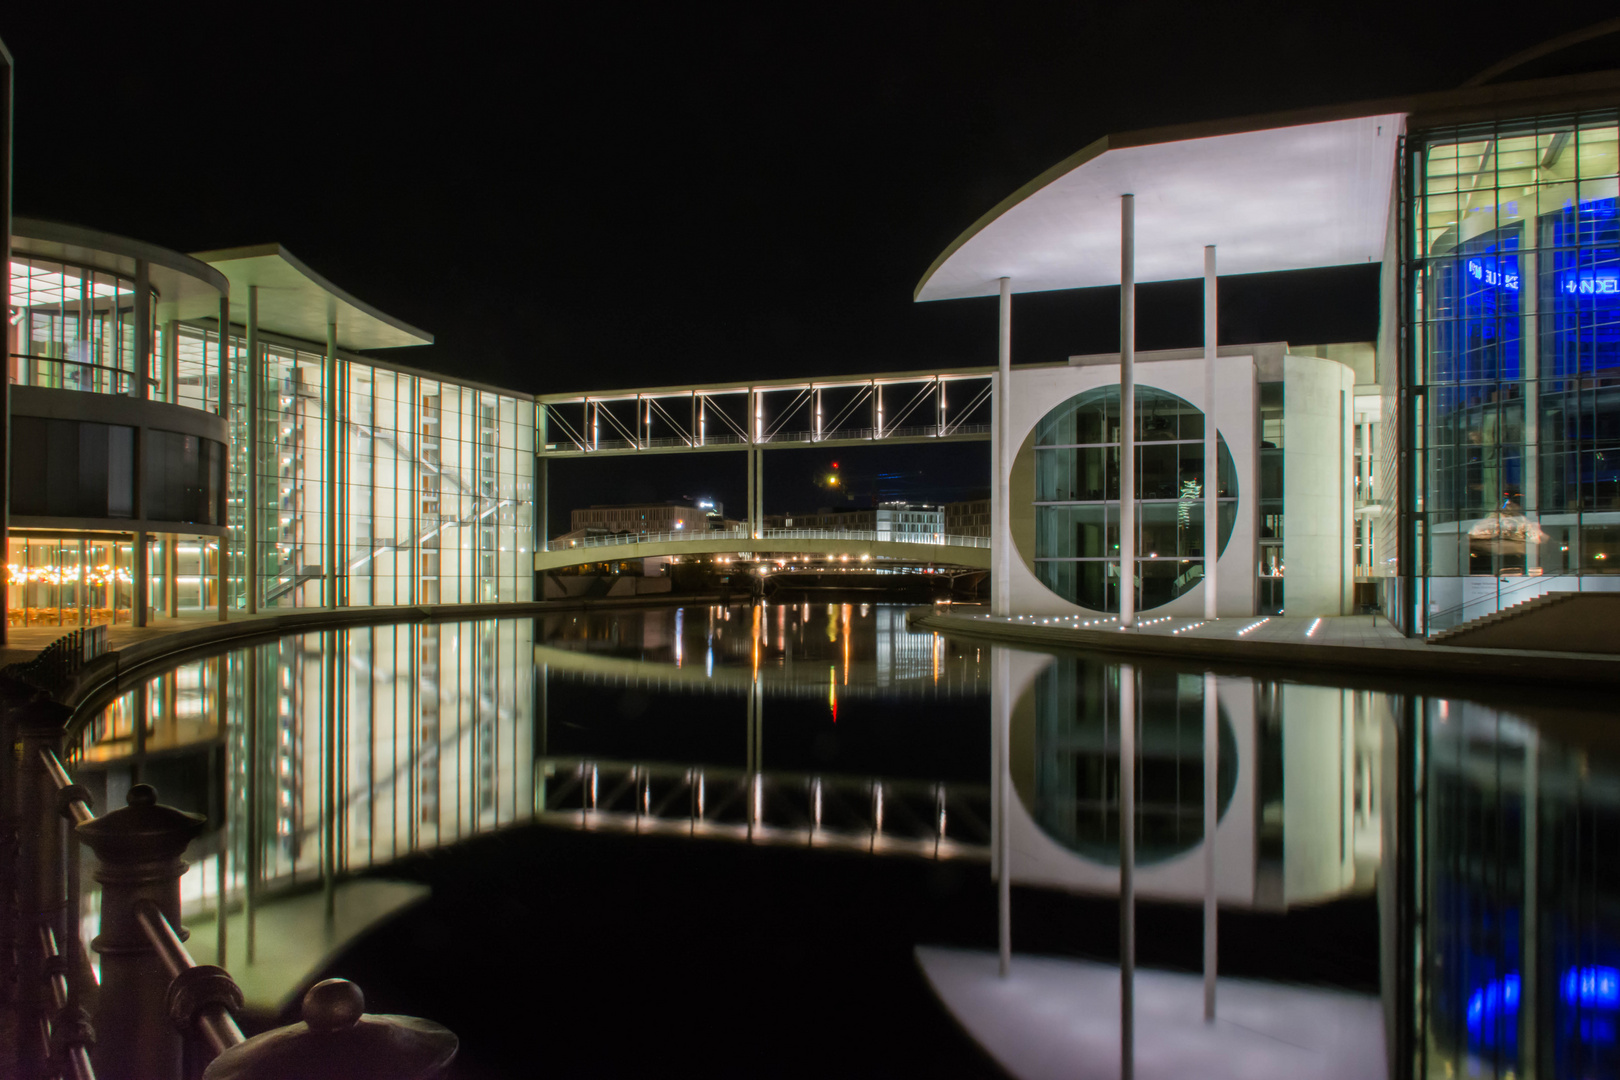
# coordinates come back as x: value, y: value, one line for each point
x: 621, y: 539
x: 873, y: 814
x: 1521, y: 590
x: 55, y: 373
x: 60, y: 661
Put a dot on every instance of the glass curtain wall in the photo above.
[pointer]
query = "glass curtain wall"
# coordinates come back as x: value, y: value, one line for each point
x: 71, y: 328
x: 1077, y: 498
x: 292, y: 476
x: 1515, y: 262
x: 69, y: 580
x: 435, y: 481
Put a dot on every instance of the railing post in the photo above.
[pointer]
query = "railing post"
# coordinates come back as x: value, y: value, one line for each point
x: 337, y: 1037
x: 41, y: 873
x: 139, y: 848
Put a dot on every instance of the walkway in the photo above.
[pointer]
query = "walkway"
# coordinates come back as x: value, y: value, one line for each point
x: 1348, y: 642
x: 852, y: 548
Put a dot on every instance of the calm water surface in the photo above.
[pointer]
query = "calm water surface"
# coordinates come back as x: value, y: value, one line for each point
x: 707, y: 838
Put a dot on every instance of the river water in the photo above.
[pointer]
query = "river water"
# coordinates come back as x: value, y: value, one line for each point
x: 708, y: 838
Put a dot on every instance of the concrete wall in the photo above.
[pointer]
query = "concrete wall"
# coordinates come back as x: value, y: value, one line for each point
x: 1318, y: 492
x: 1037, y: 390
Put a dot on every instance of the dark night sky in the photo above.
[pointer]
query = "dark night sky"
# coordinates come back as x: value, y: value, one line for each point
x: 595, y: 195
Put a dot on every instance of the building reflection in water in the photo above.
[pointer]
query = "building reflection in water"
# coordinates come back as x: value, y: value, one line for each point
x: 1477, y: 831
x: 834, y: 701
x: 320, y: 755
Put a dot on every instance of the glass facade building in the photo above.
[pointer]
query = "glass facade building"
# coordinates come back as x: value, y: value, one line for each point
x: 326, y: 478
x: 1513, y: 262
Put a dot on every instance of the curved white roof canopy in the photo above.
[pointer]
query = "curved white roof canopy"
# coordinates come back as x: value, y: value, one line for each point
x: 1280, y: 198
x: 187, y: 288
x: 296, y: 301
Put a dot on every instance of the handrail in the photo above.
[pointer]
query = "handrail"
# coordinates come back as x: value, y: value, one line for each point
x: 212, y: 1019
x: 75, y: 800
x: 1526, y: 582
x: 75, y: 1051
x: 941, y: 539
x: 121, y: 378
x: 61, y: 660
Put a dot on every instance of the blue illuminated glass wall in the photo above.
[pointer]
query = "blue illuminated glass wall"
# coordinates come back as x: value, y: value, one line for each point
x: 1514, y: 262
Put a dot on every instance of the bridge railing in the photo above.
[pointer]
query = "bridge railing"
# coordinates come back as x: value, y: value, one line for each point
x: 622, y: 539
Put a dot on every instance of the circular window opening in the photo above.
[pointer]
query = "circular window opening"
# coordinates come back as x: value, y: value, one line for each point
x: 1068, y: 778
x: 1077, y: 498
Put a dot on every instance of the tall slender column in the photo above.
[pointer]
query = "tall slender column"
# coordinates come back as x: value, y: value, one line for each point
x: 1127, y: 410
x: 252, y: 517
x: 142, y: 337
x: 1530, y: 342
x: 171, y: 570
x: 759, y: 490
x: 1212, y: 465
x: 1127, y: 872
x: 223, y: 376
x: 331, y: 557
x: 1000, y: 664
x: 143, y: 580
x: 1001, y: 591
x: 1212, y: 749
x: 171, y: 361
x: 748, y: 501
x: 1530, y: 928
x: 542, y: 505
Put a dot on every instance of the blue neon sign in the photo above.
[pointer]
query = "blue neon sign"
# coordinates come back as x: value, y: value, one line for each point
x: 1591, y: 283
x: 1491, y: 274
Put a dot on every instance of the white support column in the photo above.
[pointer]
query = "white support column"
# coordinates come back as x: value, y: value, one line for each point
x: 1127, y: 871
x: 702, y: 418
x: 171, y: 361
x: 1212, y: 749
x: 818, y: 415
x: 1001, y: 575
x: 333, y: 501
x: 1530, y: 339
x: 1530, y: 920
x: 748, y: 500
x: 1127, y: 410
x: 1001, y: 665
x: 759, y: 491
x: 1212, y: 465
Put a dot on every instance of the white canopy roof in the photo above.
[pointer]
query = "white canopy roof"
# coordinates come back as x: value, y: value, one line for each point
x: 1287, y: 197
x: 296, y: 301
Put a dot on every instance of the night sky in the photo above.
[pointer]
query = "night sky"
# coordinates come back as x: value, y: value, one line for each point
x: 595, y: 196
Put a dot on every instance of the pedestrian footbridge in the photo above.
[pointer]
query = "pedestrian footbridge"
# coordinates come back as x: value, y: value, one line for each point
x: 857, y: 547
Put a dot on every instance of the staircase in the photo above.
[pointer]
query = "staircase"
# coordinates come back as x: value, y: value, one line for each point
x: 1558, y: 621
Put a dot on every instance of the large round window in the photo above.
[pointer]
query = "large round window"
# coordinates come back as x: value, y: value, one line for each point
x: 1076, y: 497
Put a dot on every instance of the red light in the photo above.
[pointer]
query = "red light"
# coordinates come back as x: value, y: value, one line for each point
x: 835, y: 464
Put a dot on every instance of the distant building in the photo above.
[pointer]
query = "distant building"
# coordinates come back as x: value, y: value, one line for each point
x: 890, y: 520
x: 647, y: 518
x: 968, y: 518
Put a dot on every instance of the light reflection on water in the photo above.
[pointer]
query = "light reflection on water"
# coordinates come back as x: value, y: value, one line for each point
x: 832, y: 725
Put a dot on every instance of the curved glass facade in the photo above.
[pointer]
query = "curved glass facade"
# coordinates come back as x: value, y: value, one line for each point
x: 1517, y: 324
x: 71, y: 328
x: 1077, y: 511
